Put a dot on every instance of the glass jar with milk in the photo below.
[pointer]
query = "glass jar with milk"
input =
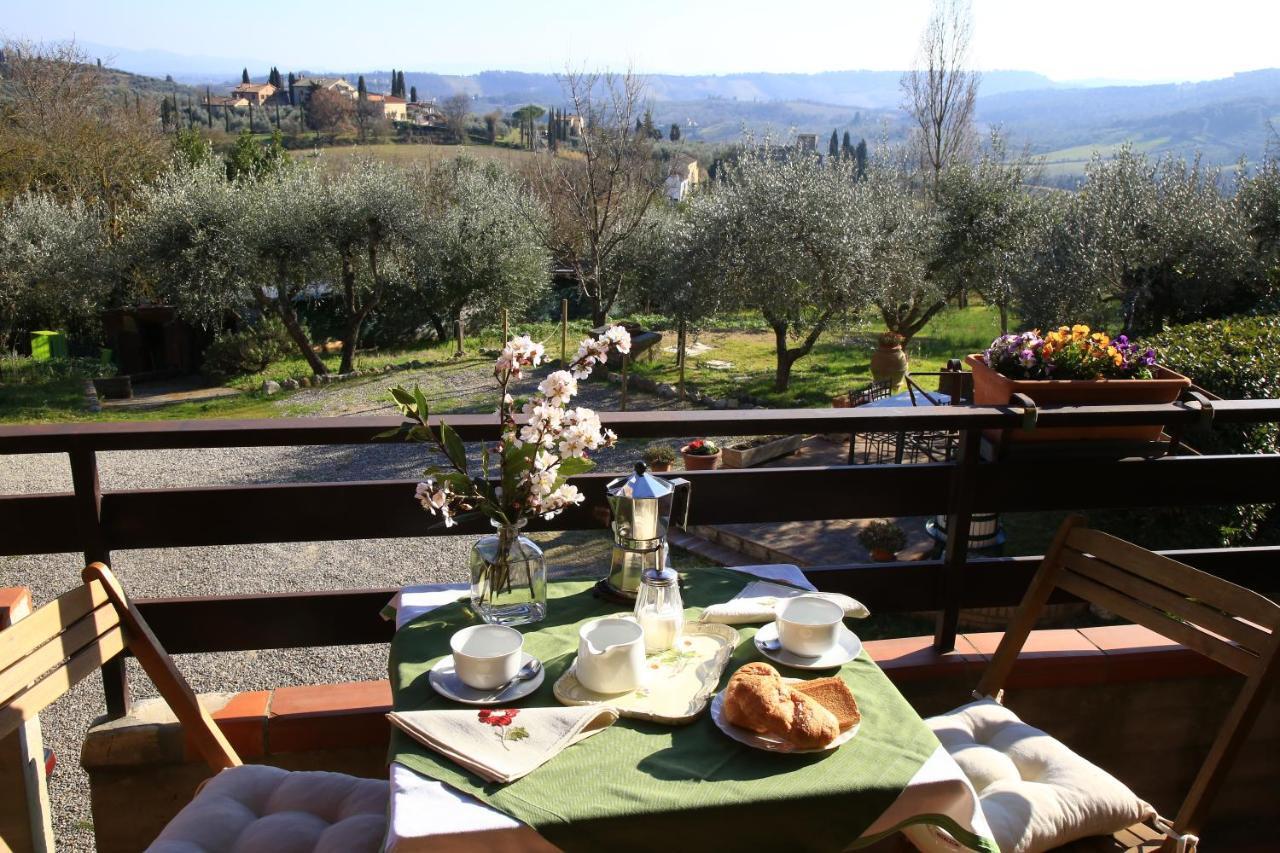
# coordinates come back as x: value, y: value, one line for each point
x: 659, y: 609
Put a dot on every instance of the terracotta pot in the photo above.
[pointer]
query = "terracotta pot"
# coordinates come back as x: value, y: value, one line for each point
x: 659, y: 467
x: 700, y: 461
x: 889, y: 364
x: 991, y: 388
x: 882, y: 555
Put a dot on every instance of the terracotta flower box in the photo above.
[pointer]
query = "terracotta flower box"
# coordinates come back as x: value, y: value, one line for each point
x: 746, y: 456
x: 991, y: 388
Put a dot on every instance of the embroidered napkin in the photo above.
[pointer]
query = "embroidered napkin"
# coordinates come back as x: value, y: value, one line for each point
x: 758, y: 600
x: 503, y: 745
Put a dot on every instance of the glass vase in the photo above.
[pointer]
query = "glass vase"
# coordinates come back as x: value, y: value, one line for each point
x: 508, y: 577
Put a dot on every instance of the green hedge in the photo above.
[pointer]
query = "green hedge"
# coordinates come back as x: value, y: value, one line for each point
x: 1235, y: 358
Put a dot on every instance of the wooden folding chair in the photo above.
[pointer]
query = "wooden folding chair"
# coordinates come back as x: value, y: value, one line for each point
x: 1234, y: 626
x: 51, y: 650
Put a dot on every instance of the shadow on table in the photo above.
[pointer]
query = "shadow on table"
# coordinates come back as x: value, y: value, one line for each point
x: 701, y: 751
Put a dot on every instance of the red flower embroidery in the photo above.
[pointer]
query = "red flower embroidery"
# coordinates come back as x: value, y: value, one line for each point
x: 498, y: 718
x: 501, y: 720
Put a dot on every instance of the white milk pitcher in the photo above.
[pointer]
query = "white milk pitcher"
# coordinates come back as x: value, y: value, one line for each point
x: 610, y: 655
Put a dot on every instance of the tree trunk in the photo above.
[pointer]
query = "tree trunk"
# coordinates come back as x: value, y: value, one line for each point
x: 788, y: 357
x: 782, y: 373
x: 437, y: 325
x: 284, y: 310
x: 357, y: 314
x: 1004, y: 319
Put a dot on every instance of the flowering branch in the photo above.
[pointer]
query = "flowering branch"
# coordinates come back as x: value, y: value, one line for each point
x: 536, y: 458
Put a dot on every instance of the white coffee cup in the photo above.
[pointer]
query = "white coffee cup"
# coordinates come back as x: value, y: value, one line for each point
x: 610, y: 655
x: 809, y: 625
x: 486, y: 656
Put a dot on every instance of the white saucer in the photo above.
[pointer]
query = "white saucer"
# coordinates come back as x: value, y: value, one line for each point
x: 847, y: 647
x: 769, y: 743
x: 444, y: 678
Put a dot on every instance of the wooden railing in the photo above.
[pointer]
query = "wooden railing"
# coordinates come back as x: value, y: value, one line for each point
x: 96, y: 523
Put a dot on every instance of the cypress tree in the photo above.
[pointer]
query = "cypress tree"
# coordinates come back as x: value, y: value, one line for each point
x: 361, y: 91
x: 846, y: 147
x: 833, y: 147
x: 293, y: 97
x: 402, y: 84
x: 675, y: 132
x: 860, y: 155
x: 413, y: 94
x: 393, y: 82
x: 244, y: 76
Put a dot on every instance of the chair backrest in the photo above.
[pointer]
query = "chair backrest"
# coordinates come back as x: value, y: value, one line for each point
x: 50, y: 651
x: 1234, y: 626
x: 875, y: 391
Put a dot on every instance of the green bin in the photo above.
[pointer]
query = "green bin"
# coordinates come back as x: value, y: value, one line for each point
x: 46, y: 345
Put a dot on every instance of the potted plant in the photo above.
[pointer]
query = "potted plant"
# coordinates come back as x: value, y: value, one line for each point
x: 758, y: 450
x: 659, y: 457
x: 701, y: 454
x: 533, y: 463
x: 889, y: 362
x: 1074, y: 365
x: 883, y: 539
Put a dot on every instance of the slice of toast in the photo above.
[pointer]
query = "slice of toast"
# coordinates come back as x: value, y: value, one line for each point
x: 834, y: 695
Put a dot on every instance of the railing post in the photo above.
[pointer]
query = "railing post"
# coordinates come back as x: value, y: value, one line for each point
x: 624, y: 382
x: 959, y: 514
x: 88, y: 502
x: 458, y: 334
x: 564, y: 332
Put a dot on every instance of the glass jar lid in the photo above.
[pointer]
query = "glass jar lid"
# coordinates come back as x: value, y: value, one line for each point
x: 659, y: 577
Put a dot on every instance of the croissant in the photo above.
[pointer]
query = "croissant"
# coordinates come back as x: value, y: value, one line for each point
x: 759, y: 700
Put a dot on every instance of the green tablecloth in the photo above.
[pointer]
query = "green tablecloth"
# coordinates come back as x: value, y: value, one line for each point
x: 641, y: 785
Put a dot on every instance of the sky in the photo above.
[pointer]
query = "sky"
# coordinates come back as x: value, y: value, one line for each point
x: 1131, y: 40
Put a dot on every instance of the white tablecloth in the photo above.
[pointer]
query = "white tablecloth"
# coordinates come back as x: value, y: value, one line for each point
x: 429, y: 815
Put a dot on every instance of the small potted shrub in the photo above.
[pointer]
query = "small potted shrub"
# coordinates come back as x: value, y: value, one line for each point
x: 883, y: 539
x: 889, y: 362
x: 659, y: 457
x: 701, y: 454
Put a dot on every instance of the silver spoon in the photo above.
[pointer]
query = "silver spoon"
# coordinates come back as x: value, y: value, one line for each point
x: 527, y: 672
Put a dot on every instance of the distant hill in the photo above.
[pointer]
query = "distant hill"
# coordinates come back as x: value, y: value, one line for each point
x: 1221, y: 119
x: 1065, y: 122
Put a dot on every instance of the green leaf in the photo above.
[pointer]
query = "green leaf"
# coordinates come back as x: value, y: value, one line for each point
x: 517, y: 733
x: 403, y: 398
x: 421, y: 402
x: 573, y: 466
x: 398, y: 432
x: 453, y: 447
x: 421, y: 433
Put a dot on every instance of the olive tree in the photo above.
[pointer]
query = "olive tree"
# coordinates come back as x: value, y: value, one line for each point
x: 1155, y: 242
x: 212, y: 247
x: 369, y: 215
x: 985, y: 222
x: 49, y: 264
x: 476, y: 251
x: 781, y: 233
x: 899, y: 235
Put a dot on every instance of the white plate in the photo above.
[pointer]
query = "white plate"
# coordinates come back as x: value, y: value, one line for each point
x: 770, y: 743
x: 847, y: 647
x: 444, y: 678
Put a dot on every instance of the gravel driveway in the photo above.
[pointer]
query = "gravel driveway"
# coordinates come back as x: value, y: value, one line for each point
x: 464, y: 386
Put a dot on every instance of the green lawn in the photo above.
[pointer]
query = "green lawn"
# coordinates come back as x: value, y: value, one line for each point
x: 841, y: 360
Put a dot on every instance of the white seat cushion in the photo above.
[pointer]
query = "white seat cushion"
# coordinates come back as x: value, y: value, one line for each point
x: 259, y: 808
x: 1035, y: 792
